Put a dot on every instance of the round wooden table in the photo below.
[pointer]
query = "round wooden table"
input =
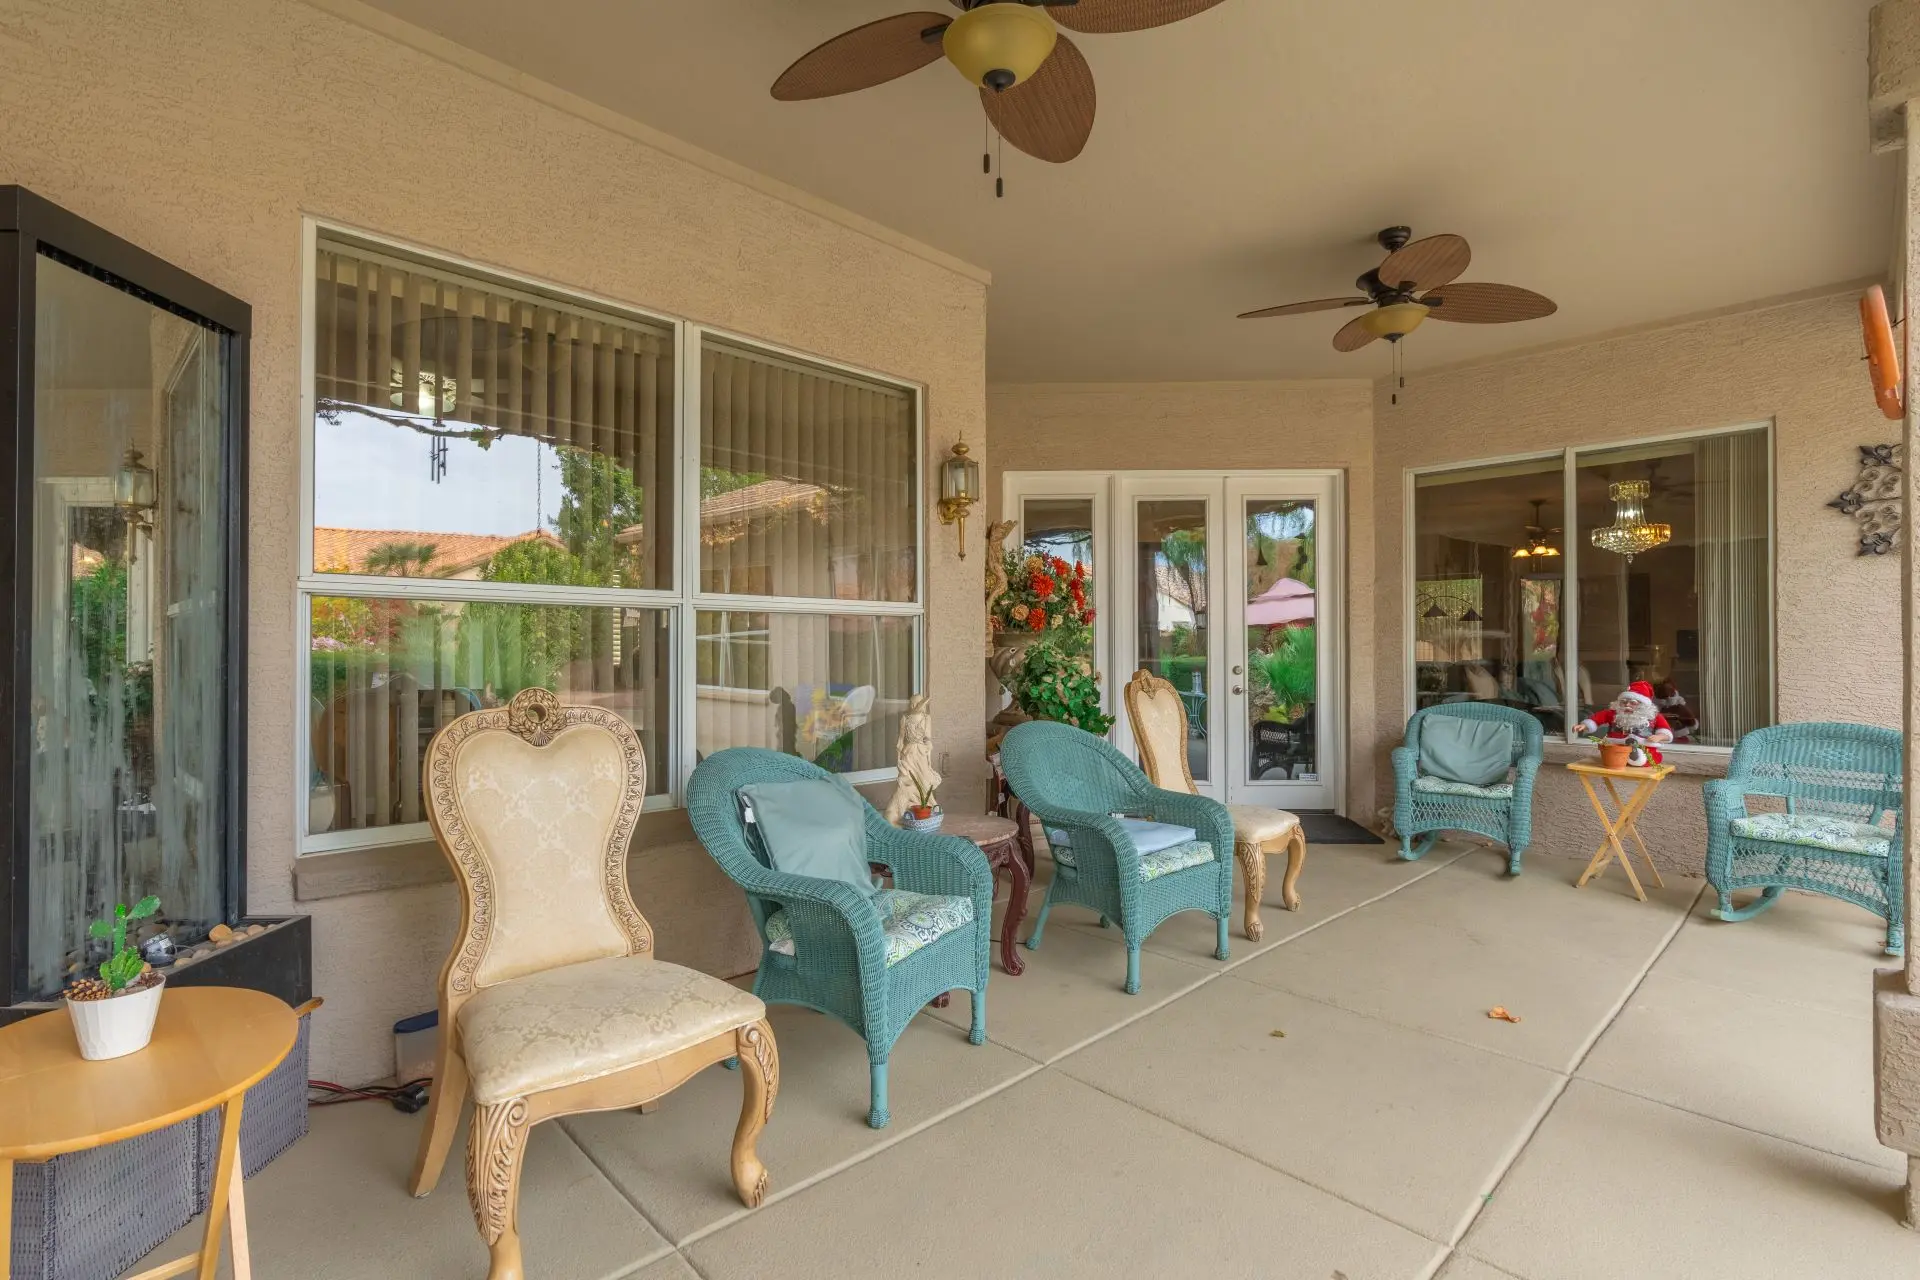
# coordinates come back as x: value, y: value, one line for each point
x: 999, y: 839
x: 210, y: 1045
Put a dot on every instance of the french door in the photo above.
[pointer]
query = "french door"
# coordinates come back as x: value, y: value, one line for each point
x: 1227, y: 586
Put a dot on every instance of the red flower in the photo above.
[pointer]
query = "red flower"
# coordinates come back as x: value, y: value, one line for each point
x: 1080, y: 570
x: 1089, y: 616
x: 1059, y: 566
x: 1042, y: 585
x: 1037, y: 620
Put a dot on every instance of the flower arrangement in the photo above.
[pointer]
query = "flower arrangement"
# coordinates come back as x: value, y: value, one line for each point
x: 1044, y: 595
x: 1051, y: 684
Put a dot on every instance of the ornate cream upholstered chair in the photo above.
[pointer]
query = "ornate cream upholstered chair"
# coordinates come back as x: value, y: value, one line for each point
x: 1159, y: 721
x: 551, y: 1002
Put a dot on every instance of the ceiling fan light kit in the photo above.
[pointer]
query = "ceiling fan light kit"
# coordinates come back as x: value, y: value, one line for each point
x: 1394, y: 321
x: 997, y: 46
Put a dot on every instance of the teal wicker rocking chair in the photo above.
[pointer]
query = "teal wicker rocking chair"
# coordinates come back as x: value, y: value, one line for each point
x: 1423, y: 807
x: 1075, y: 783
x: 1839, y: 781
x: 873, y: 962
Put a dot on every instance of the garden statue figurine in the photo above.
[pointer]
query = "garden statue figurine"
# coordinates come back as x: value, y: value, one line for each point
x: 915, y: 750
x: 1634, y: 720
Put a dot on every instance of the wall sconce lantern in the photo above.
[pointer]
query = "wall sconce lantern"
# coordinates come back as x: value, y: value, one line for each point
x: 959, y: 490
x: 133, y: 488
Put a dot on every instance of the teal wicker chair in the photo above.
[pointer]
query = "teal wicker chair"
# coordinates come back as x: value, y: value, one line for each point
x: 1423, y: 807
x: 1076, y: 783
x: 872, y: 962
x: 1840, y: 782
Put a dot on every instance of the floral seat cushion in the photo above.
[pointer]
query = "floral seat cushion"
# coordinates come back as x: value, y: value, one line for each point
x: 1164, y: 862
x: 1160, y: 860
x: 909, y: 920
x: 1817, y: 831
x: 1446, y: 787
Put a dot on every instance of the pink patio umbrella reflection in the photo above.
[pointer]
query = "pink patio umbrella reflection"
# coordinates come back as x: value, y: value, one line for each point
x: 1287, y: 603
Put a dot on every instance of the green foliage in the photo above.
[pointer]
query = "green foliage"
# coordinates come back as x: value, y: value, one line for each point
x: 1050, y: 684
x: 599, y: 500
x: 401, y: 559
x: 123, y: 965
x: 715, y: 481
x: 99, y: 613
x: 1289, y: 672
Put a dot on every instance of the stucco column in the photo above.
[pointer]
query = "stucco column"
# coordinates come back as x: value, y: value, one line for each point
x: 1894, y: 102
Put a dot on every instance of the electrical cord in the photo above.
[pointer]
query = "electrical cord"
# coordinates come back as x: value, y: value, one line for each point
x: 409, y: 1097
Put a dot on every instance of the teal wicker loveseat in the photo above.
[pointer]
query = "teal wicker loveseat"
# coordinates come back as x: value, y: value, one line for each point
x: 1424, y: 807
x: 1076, y: 784
x: 872, y: 961
x: 1839, y: 833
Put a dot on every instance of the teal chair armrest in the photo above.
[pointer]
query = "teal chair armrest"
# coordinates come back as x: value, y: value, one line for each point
x: 930, y: 863
x: 1406, y: 764
x: 1208, y: 818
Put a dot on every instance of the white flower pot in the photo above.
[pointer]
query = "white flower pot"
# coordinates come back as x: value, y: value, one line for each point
x: 118, y: 1025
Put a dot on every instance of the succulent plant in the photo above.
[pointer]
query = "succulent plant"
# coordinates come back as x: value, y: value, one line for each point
x: 124, y: 963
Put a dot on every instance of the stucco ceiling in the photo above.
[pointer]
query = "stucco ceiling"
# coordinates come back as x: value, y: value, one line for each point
x: 1635, y: 160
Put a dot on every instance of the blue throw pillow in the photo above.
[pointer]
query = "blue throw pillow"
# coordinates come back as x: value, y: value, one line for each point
x: 1476, y: 752
x: 815, y: 827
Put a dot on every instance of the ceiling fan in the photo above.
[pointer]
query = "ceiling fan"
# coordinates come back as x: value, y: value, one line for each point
x: 1538, y: 534
x: 1417, y: 281
x: 1034, y: 83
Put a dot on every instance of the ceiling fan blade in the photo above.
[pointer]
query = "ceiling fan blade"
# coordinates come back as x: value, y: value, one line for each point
x: 1353, y: 335
x: 863, y: 57
x: 1108, y: 17
x: 1426, y: 264
x: 1488, y: 304
x: 1301, y: 308
x: 1049, y: 115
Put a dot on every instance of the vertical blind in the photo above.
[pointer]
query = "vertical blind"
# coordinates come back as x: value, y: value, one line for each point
x: 807, y: 481
x: 425, y: 345
x: 1732, y: 565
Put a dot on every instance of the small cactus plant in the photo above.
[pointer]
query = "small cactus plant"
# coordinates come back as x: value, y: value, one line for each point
x: 124, y: 964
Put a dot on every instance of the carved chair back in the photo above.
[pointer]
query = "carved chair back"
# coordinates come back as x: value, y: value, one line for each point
x: 534, y: 805
x: 1159, y: 721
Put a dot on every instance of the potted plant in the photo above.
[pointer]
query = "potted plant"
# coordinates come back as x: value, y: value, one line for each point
x: 1045, y: 600
x: 1613, y: 755
x: 923, y: 814
x: 1051, y: 684
x: 113, y: 1014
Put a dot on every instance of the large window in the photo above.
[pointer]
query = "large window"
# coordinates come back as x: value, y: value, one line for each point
x: 1515, y: 602
x: 511, y: 487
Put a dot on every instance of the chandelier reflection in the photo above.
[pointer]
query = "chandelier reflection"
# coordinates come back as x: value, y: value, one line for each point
x: 1631, y: 533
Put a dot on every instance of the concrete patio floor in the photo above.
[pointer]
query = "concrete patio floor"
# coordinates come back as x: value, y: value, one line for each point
x: 1682, y: 1098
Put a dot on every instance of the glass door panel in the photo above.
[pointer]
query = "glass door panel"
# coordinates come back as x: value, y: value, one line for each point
x: 1281, y: 692
x: 1058, y: 532
x: 1171, y: 633
x: 1284, y: 627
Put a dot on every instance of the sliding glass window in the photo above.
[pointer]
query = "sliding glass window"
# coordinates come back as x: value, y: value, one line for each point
x: 499, y: 478
x: 1662, y: 574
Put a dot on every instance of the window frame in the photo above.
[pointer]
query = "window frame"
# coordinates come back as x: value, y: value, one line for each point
x: 682, y: 601
x: 1571, y: 549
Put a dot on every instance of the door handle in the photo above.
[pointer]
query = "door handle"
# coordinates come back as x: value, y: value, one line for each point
x: 1236, y: 688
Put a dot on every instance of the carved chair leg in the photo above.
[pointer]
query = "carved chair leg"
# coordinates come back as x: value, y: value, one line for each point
x: 1253, y: 874
x: 1296, y: 859
x: 760, y: 1085
x: 447, y: 1095
x: 495, y: 1147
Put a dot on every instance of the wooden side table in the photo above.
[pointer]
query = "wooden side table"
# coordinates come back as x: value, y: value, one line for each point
x: 1646, y: 780
x: 999, y: 838
x: 210, y: 1045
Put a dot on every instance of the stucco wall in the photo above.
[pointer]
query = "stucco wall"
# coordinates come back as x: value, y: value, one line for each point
x: 1798, y: 364
x: 1225, y: 426
x: 203, y: 131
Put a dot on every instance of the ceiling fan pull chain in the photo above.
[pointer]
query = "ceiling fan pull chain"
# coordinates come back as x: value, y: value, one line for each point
x: 1000, y: 178
x: 986, y: 146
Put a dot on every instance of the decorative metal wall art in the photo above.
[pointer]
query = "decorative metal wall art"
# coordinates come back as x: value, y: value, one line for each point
x: 1874, y: 501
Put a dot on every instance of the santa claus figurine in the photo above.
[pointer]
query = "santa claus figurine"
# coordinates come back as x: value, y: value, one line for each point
x: 1634, y: 720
